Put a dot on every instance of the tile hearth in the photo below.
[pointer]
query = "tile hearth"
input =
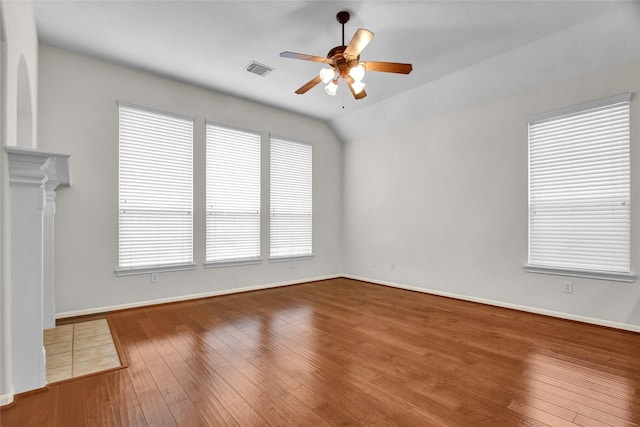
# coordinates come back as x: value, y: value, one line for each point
x: 79, y: 349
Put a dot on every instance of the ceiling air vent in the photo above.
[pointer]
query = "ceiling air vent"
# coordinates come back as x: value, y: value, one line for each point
x: 259, y: 69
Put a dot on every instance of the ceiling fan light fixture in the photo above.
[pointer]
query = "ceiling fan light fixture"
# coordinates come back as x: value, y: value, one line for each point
x: 357, y: 86
x: 357, y: 72
x: 331, y: 88
x: 344, y: 62
x: 327, y: 74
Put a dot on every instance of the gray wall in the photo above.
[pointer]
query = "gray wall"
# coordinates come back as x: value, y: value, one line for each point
x: 441, y: 205
x: 79, y: 116
x: 438, y: 205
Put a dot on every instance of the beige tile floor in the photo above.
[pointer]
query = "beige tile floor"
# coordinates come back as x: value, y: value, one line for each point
x: 79, y: 349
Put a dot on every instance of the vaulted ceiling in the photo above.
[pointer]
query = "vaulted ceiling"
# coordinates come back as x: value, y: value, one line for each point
x: 210, y: 43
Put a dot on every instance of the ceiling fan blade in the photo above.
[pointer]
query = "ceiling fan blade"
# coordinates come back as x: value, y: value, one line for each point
x: 388, y: 67
x: 360, y: 40
x: 303, y: 56
x: 358, y: 95
x: 311, y: 83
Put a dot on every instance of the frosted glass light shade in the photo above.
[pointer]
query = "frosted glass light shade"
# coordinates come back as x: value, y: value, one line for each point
x: 326, y: 75
x: 357, y: 86
x: 331, y: 88
x: 357, y: 72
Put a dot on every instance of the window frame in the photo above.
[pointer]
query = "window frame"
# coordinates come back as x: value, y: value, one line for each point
x: 210, y: 263
x: 166, y: 266
x: 569, y: 270
x: 293, y: 256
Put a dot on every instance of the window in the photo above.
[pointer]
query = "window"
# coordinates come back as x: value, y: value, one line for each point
x: 233, y: 196
x: 291, y: 213
x: 156, y: 191
x: 579, y: 191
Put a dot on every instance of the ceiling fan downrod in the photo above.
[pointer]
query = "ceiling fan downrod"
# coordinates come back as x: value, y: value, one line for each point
x: 343, y: 17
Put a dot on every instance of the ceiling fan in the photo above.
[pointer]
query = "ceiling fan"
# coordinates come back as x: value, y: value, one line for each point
x: 345, y: 62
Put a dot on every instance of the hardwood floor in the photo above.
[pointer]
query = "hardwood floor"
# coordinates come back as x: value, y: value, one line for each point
x: 343, y: 352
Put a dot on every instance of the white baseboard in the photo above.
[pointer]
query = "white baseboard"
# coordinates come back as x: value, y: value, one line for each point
x: 5, y: 399
x: 558, y: 314
x: 561, y: 315
x: 106, y: 309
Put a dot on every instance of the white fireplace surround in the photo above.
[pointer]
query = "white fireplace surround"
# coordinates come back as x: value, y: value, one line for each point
x: 34, y: 176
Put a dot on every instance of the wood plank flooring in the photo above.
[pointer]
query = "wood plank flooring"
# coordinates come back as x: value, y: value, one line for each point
x: 343, y: 352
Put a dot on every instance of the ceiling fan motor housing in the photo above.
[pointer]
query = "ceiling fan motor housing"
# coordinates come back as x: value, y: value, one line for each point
x: 341, y: 64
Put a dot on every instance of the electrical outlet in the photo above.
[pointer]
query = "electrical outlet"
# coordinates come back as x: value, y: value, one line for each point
x: 373, y: 262
x: 567, y: 287
x: 154, y: 277
x: 393, y: 265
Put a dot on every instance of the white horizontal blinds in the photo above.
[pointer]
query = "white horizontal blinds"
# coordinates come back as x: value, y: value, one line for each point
x: 233, y: 194
x: 156, y: 188
x: 291, y: 207
x: 579, y: 190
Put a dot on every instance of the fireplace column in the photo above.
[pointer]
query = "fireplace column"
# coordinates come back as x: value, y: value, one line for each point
x: 33, y: 177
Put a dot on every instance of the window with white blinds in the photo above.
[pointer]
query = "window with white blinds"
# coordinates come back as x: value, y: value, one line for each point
x: 291, y: 196
x: 233, y: 196
x: 579, y: 191
x: 155, y: 191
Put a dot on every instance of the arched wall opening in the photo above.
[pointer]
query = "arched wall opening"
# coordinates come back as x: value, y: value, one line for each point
x: 24, y: 108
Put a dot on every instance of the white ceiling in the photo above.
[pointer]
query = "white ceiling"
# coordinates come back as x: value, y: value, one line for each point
x: 209, y: 43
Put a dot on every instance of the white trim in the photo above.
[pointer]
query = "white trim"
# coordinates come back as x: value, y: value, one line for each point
x: 105, y: 309
x: 5, y: 399
x: 588, y: 274
x: 291, y: 258
x: 153, y: 269
x: 233, y: 262
x: 271, y: 136
x: 29, y: 166
x: 155, y: 110
x: 568, y: 111
x: 232, y: 127
x: 558, y: 314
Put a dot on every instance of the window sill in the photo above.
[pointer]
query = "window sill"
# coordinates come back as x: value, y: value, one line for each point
x: 231, y: 263
x: 589, y: 274
x: 153, y: 269
x: 291, y: 258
